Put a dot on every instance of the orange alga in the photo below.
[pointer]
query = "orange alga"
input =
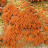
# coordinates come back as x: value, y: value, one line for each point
x: 0, y: 10
x: 24, y: 27
x: 2, y: 2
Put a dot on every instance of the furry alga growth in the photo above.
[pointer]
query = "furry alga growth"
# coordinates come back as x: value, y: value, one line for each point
x: 24, y: 26
x: 0, y: 10
x: 2, y: 2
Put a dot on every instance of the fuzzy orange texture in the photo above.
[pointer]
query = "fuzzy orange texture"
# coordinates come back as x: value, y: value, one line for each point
x: 1, y: 42
x: 46, y: 42
x: 0, y: 10
x: 28, y: 19
x: 2, y: 2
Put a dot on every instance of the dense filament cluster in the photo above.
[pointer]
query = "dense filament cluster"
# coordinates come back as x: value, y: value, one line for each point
x: 2, y: 2
x: 0, y: 10
x: 24, y: 26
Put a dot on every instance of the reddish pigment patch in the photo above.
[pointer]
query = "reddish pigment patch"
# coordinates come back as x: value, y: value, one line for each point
x: 28, y: 20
